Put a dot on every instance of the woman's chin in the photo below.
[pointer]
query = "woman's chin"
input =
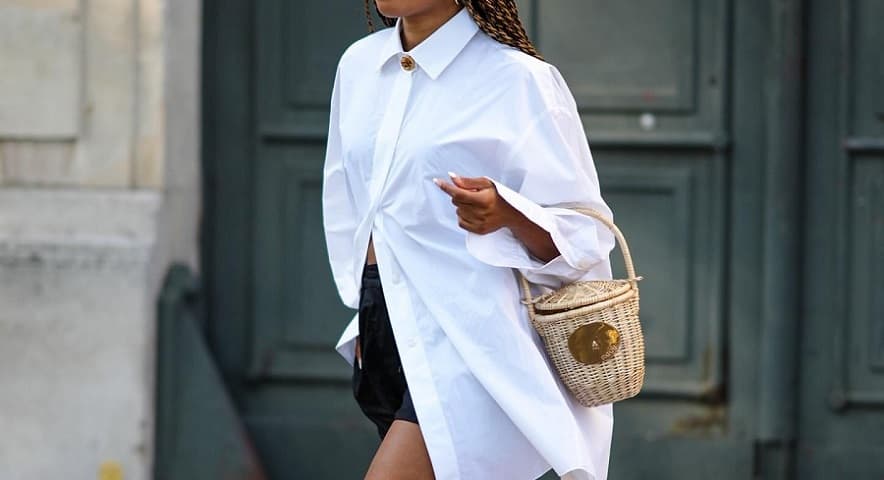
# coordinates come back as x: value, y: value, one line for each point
x: 390, y: 8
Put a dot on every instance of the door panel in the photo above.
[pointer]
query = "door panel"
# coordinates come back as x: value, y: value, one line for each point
x: 297, y: 316
x: 842, y: 374
x: 670, y: 206
x: 664, y: 59
x: 297, y: 46
x: 864, y: 73
x: 626, y: 47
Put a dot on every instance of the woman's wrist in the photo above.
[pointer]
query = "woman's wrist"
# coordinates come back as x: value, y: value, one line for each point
x: 510, y: 216
x: 537, y: 241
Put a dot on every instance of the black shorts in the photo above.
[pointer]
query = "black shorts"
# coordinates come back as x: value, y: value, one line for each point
x: 379, y: 386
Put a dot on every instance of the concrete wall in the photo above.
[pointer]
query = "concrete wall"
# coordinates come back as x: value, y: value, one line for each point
x: 99, y: 192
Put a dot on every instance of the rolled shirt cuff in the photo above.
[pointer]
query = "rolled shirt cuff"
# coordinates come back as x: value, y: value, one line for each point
x: 573, y: 233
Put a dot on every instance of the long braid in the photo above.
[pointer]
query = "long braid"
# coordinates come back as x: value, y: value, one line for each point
x: 368, y: 17
x: 499, y: 19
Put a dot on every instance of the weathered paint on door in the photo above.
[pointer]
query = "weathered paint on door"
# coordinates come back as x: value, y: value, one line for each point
x: 694, y: 114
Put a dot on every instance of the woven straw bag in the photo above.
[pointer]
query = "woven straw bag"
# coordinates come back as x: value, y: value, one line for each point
x: 592, y: 333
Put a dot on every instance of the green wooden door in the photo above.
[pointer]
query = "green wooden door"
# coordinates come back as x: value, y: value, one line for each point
x: 842, y: 366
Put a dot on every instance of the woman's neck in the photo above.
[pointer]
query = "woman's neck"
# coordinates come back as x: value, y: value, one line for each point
x: 416, y: 28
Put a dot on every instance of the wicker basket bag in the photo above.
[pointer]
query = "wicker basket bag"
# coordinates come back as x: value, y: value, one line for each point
x: 592, y: 333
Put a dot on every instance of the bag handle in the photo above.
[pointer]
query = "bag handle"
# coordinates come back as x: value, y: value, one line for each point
x: 621, y: 241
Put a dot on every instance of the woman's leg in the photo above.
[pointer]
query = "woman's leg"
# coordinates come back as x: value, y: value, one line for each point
x: 402, y: 455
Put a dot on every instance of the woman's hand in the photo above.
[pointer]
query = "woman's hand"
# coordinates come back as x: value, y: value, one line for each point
x: 480, y: 209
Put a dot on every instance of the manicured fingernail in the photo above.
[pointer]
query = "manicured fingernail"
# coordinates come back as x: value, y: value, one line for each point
x: 437, y: 182
x: 452, y: 174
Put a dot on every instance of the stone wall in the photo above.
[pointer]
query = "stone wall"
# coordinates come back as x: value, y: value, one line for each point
x: 99, y: 192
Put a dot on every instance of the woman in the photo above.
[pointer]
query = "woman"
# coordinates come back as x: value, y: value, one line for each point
x: 445, y: 362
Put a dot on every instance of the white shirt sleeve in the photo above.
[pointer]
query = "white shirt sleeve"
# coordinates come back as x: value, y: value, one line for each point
x: 338, y: 210
x: 553, y: 168
x: 340, y: 221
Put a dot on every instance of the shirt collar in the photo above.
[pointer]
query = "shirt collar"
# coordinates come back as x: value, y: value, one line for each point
x: 436, y: 51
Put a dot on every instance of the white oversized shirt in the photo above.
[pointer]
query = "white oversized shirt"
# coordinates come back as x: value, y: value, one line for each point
x: 489, y: 404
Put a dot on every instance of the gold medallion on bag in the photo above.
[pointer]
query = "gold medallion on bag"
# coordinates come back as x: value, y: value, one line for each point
x: 594, y: 343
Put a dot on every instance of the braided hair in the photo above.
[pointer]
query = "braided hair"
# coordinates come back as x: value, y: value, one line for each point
x: 499, y: 19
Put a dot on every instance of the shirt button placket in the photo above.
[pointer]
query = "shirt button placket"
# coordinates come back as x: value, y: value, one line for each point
x: 407, y: 63
x: 385, y: 147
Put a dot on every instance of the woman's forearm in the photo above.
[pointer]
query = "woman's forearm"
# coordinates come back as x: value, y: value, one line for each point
x: 481, y: 210
x: 537, y: 240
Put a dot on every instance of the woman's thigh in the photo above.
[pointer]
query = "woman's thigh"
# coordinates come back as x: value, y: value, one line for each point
x: 402, y: 455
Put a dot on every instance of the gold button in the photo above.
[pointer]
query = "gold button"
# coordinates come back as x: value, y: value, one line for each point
x: 407, y: 63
